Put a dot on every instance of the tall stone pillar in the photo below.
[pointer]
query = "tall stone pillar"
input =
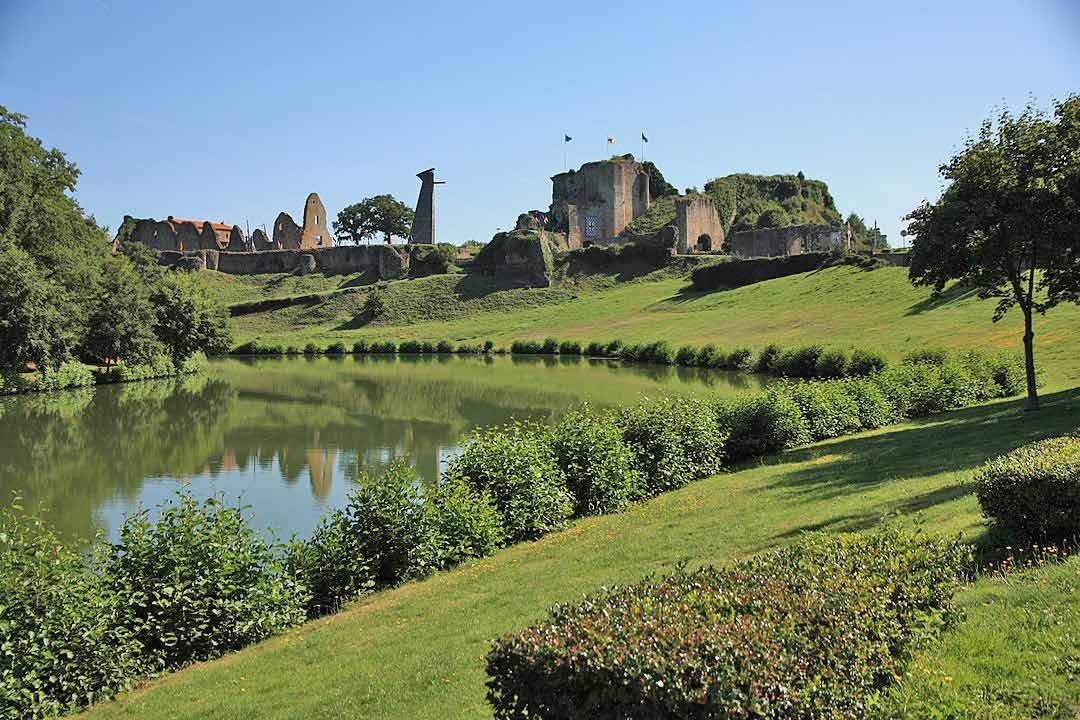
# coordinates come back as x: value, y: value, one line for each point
x: 423, y: 229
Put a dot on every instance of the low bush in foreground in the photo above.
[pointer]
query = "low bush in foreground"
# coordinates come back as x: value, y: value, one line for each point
x: 811, y: 631
x: 599, y: 467
x: 760, y: 425
x: 1034, y: 491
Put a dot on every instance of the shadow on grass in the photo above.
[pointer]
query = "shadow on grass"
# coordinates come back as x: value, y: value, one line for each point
x: 954, y: 442
x: 950, y: 295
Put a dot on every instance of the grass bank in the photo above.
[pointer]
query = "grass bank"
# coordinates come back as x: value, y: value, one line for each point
x: 417, y: 651
x: 842, y: 307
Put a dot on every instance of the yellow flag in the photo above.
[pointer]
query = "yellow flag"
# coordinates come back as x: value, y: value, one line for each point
x: 610, y: 140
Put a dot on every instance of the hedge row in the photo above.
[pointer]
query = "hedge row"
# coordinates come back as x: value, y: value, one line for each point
x: 74, y: 375
x: 378, y: 347
x: 810, y: 631
x: 199, y: 582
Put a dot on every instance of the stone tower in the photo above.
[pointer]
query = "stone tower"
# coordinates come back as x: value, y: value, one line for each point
x: 423, y: 228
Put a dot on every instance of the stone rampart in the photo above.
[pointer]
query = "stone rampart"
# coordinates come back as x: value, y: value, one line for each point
x: 698, y: 225
x: 791, y: 240
x: 383, y: 262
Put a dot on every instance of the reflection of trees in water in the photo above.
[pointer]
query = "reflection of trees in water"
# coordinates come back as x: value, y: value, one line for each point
x: 73, y: 460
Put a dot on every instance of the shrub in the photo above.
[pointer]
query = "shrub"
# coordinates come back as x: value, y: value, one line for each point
x: 760, y: 425
x: 444, y: 346
x: 811, y: 631
x: 631, y: 352
x: 709, y: 357
x: 767, y: 361
x: 488, y: 346
x: 568, y: 347
x: 12, y: 382
x: 60, y: 645
x: 279, y: 350
x: 659, y: 352
x: 686, y: 356
x: 385, y: 347
x: 933, y: 356
x: 465, y: 522
x: 926, y: 388
x: 831, y: 364
x: 674, y: 441
x: 801, y: 363
x: 596, y: 349
x: 311, y: 349
x: 329, y: 565
x: 427, y: 347
x: 995, y: 376
x: 550, y: 346
x: 1034, y: 491
x: 161, y: 365
x: 613, y: 348
x: 599, y: 467
x: 525, y: 347
x: 516, y: 465
x: 410, y: 346
x: 740, y: 359
x: 864, y: 362
x: 292, y: 350
x: 198, y: 582
x: 69, y: 375
x: 249, y: 348
x: 466, y: 349
x: 829, y: 409
x: 875, y: 410
x: 360, y: 347
x: 337, y: 348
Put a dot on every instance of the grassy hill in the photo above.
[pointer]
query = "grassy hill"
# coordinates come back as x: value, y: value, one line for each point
x: 842, y: 307
x: 417, y: 651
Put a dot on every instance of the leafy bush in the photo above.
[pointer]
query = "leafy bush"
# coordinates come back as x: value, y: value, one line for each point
x: 550, y: 346
x: 932, y: 356
x: 760, y: 425
x: 875, y: 410
x: 525, y: 347
x: 312, y: 349
x: 740, y: 359
x: 330, y: 566
x: 60, y: 645
x: 1034, y: 491
x: 161, y: 365
x: 516, y: 465
x: 488, y: 346
x: 197, y: 583
x: 709, y: 357
x: 829, y: 409
x: 674, y: 441
x: 568, y: 347
x: 385, y: 347
x: 410, y: 346
x: 614, y: 347
x: 360, y: 347
x: 865, y: 362
x: 831, y: 364
x: 596, y: 349
x: 444, y: 346
x: 767, y: 361
x: 926, y: 388
x: 427, y: 347
x: 599, y: 467
x: 69, y: 375
x: 801, y: 363
x: 337, y: 348
x: 811, y: 631
x: 465, y: 521
x: 686, y: 356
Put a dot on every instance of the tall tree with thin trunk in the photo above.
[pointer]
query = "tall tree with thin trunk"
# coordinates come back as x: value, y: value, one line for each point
x: 1007, y: 223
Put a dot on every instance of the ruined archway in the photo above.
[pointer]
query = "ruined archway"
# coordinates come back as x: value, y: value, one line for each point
x: 704, y: 243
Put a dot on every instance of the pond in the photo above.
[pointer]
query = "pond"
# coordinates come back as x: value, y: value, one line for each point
x: 288, y: 436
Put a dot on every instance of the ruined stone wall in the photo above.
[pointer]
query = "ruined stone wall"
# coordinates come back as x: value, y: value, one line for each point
x: 594, y: 204
x: 315, y: 233
x: 384, y: 262
x: 261, y: 242
x: 698, y: 223
x: 286, y: 232
x: 792, y: 240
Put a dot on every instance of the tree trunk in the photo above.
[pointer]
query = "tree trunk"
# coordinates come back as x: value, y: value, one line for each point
x: 1029, y: 360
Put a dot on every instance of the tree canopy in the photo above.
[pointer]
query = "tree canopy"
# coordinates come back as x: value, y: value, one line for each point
x: 1008, y: 220
x: 364, y: 220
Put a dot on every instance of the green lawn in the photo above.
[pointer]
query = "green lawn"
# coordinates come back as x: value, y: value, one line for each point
x: 417, y: 651
x: 841, y: 306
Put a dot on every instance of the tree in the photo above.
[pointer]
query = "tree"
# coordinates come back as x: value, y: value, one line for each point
x: 658, y: 184
x: 1008, y: 220
x: 33, y: 328
x: 373, y: 215
x: 188, y: 320
x: 121, y: 323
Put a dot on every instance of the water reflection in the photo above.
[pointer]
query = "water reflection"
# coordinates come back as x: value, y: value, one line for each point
x: 289, y: 435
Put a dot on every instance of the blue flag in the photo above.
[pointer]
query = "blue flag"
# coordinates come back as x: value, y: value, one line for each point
x: 643, y: 138
x: 567, y: 138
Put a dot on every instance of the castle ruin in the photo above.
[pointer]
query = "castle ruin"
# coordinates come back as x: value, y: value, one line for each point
x: 594, y: 204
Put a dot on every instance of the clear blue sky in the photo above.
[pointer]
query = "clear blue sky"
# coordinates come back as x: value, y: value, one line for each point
x: 236, y: 110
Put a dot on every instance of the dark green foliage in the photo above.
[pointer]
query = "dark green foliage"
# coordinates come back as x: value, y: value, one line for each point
x: 674, y: 441
x: 1034, y: 491
x: 360, y: 347
x: 312, y: 349
x: 760, y: 425
x: 371, y: 216
x: 831, y: 364
x: 614, y: 347
x: 385, y: 347
x: 875, y: 409
x: 596, y: 349
x: 829, y: 408
x: 569, y: 347
x: 658, y: 352
x: 410, y: 346
x: 188, y: 319
x: 811, y: 631
x: 549, y: 347
x: 658, y: 186
x: 767, y: 360
x: 660, y: 214
x: 197, y: 583
x: 709, y: 357
x: 465, y: 521
x: 427, y: 347
x: 337, y: 348
x: 934, y: 356
x: 525, y: 347
x: 33, y: 326
x: 516, y: 465
x: 865, y: 362
x: 60, y: 645
x: 927, y: 388
x: 488, y: 346
x: 121, y: 322
x: 374, y: 307
x: 599, y: 467
x: 740, y: 359
x: 737, y: 273
x: 444, y: 346
x: 293, y: 350
x: 801, y: 363
x: 686, y: 356
x: 330, y: 565
x: 742, y: 199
